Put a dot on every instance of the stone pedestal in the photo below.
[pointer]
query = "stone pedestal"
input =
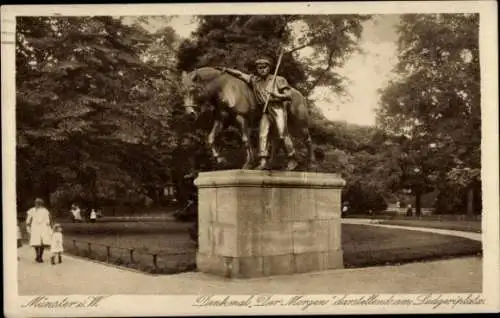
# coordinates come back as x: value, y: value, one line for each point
x: 263, y: 223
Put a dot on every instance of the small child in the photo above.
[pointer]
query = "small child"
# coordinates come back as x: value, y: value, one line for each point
x: 56, y: 246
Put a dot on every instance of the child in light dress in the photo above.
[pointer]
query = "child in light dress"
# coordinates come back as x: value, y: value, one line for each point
x: 56, y: 246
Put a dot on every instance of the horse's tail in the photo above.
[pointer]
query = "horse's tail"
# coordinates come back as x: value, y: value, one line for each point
x: 298, y: 108
x: 299, y: 120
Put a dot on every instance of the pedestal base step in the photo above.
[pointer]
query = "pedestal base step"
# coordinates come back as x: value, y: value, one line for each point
x: 259, y: 266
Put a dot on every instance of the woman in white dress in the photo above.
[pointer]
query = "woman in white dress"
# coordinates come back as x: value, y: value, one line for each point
x: 38, y: 226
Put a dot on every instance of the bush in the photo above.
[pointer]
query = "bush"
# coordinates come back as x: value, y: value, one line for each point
x: 453, y: 200
x: 362, y: 199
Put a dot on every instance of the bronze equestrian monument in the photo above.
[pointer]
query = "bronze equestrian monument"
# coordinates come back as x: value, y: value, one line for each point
x: 260, y: 223
x: 255, y: 222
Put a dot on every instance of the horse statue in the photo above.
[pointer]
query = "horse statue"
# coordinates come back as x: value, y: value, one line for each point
x: 234, y: 103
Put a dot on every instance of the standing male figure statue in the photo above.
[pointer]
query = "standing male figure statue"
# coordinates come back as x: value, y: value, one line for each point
x: 276, y: 112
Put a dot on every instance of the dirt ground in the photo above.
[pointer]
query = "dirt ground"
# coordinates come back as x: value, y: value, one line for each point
x: 80, y: 276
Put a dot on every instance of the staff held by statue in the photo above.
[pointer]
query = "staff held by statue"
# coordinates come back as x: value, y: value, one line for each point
x: 282, y: 52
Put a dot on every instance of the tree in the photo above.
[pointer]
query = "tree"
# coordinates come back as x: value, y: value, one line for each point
x: 435, y: 99
x: 91, y: 95
x: 367, y: 158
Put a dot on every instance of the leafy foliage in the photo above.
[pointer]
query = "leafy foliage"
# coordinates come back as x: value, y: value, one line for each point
x: 435, y: 101
x: 90, y: 107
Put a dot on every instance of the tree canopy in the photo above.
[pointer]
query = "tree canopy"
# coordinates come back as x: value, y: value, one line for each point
x: 434, y: 102
x: 89, y: 104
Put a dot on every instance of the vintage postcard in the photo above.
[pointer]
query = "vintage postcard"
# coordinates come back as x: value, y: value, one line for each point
x: 249, y: 159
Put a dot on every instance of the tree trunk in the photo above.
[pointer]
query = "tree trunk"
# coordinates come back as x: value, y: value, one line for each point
x: 470, y: 201
x: 93, y: 195
x: 45, y: 195
x: 161, y: 196
x: 418, y: 209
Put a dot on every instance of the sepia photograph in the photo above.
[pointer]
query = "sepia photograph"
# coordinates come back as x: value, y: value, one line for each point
x: 300, y: 158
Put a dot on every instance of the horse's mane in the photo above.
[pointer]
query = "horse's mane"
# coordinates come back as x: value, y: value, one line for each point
x: 207, y: 73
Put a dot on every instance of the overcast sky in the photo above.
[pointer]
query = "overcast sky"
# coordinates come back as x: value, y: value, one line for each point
x: 366, y: 72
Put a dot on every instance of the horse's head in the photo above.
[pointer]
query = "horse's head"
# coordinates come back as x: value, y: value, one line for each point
x: 197, y: 86
x: 189, y: 89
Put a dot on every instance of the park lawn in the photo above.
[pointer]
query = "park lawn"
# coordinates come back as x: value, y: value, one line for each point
x: 362, y: 245
x: 365, y: 245
x: 113, y: 241
x: 467, y: 226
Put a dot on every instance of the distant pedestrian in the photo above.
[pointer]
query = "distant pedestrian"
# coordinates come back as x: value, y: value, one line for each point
x: 345, y: 209
x: 409, y: 210
x: 56, y: 245
x: 76, y: 213
x: 93, y: 216
x: 38, y: 226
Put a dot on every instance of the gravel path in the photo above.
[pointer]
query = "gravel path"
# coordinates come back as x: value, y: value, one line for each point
x: 81, y: 276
